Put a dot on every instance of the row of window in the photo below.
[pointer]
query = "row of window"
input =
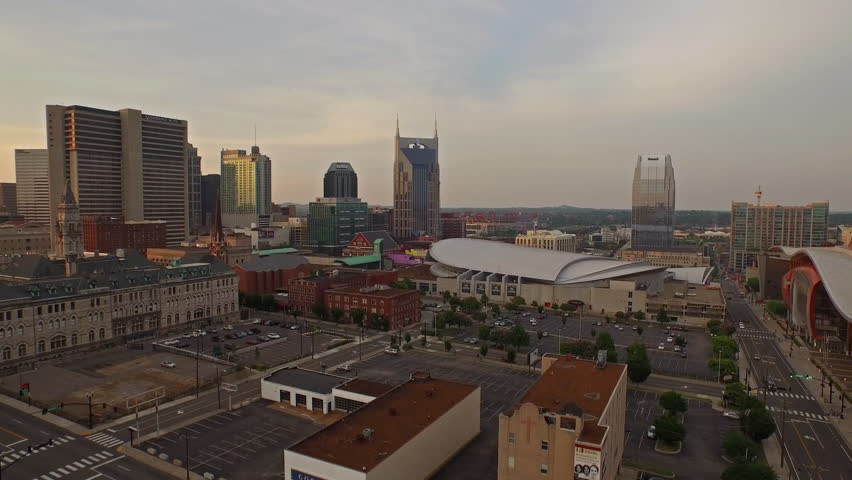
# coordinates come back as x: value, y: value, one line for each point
x: 58, y: 341
x: 543, y: 468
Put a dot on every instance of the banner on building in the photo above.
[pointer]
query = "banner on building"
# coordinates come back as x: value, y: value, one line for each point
x: 587, y: 463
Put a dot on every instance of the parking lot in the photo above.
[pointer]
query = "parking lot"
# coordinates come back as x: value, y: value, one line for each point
x: 242, y: 444
x: 253, y: 344
x: 111, y: 375
x: 702, y: 448
x: 667, y: 361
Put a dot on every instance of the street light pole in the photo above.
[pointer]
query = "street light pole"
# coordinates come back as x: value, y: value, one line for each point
x: 186, y: 439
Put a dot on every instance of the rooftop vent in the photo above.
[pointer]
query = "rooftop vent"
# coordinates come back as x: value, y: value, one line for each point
x: 366, y: 434
x: 593, y: 396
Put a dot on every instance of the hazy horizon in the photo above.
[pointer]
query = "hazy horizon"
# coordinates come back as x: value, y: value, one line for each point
x: 536, y: 107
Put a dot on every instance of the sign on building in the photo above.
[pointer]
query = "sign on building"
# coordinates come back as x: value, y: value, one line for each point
x: 587, y: 463
x: 297, y: 475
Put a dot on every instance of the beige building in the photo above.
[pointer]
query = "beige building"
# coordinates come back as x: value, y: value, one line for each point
x: 569, y: 424
x: 246, y: 188
x: 407, y: 433
x: 23, y: 239
x: 845, y: 235
x: 667, y: 258
x: 120, y: 164
x: 548, y: 239
x: 54, y: 312
x: 687, y: 302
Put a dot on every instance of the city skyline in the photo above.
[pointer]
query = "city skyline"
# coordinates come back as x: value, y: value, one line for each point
x: 580, y: 90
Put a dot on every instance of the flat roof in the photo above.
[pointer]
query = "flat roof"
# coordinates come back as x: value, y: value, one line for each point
x: 394, y: 419
x: 366, y: 387
x: 571, y: 382
x: 694, y: 293
x: 372, y: 291
x: 306, y: 380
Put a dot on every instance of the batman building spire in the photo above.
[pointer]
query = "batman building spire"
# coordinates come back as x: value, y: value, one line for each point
x: 416, y: 187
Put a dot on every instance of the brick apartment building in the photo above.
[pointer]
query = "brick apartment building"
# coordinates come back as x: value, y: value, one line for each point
x: 400, y: 307
x: 107, y: 234
x: 304, y: 292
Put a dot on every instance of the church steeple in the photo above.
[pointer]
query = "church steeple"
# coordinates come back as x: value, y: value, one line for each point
x: 436, y: 125
x: 69, y: 240
x: 217, y: 246
x: 397, y: 125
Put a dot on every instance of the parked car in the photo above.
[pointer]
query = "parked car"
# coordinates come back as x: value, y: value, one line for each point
x: 392, y: 351
x: 533, y: 323
x: 661, y: 347
x: 254, y: 331
x: 262, y: 338
x: 541, y: 317
x: 545, y: 334
x: 344, y: 368
x: 294, y: 327
x: 676, y: 348
x: 228, y: 327
x: 757, y: 357
x: 256, y: 321
x: 683, y: 354
x: 168, y: 364
x: 634, y: 327
x: 251, y: 342
x: 652, y: 432
x: 526, y: 314
x: 731, y: 415
x: 273, y: 336
x: 669, y: 339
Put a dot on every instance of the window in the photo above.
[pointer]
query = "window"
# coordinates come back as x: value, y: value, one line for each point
x: 20, y: 329
x: 40, y: 346
x: 91, y: 335
x: 511, y: 462
x: 57, y: 342
x: 7, y: 353
x: 544, y: 469
x: 40, y: 327
x: 102, y: 334
x: 73, y: 339
x: 511, y: 438
x: 38, y: 310
x: 545, y: 444
x: 22, y: 350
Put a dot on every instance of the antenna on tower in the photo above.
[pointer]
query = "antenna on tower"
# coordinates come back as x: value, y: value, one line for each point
x: 255, y: 134
x: 758, y: 194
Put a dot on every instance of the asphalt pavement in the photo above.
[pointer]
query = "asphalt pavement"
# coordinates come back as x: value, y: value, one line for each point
x: 813, y: 443
x: 69, y: 456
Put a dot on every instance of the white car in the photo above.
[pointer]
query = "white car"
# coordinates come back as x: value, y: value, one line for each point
x: 294, y: 327
x: 256, y: 321
x: 731, y: 415
x: 544, y: 334
x: 652, y: 432
x: 228, y: 327
x: 669, y: 339
x: 533, y: 323
x: 168, y: 364
x: 392, y: 351
x: 273, y: 336
x: 661, y: 347
x: 344, y: 368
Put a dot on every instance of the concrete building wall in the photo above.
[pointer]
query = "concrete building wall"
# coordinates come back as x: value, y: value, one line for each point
x: 424, y: 454
x: 273, y: 391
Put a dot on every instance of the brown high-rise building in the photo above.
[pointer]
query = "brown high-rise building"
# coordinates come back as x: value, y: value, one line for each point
x: 120, y: 164
x: 453, y: 225
x: 8, y: 199
x: 416, y: 187
x: 108, y: 234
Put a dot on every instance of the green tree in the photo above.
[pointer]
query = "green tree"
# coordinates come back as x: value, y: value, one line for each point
x: 448, y: 345
x: 757, y: 424
x: 753, y: 284
x: 638, y: 364
x: 579, y: 348
x: 563, y: 307
x: 319, y: 310
x: 619, y: 315
x: 540, y: 309
x: 663, y: 316
x: 510, y: 355
x: 484, y: 332
x: 673, y: 402
x: 378, y: 321
x: 727, y: 346
x: 728, y: 366
x: 495, y: 309
x: 737, y: 445
x: 479, y: 316
x: 407, y: 337
x: 456, y: 302
x: 404, y: 284
x: 519, y: 300
x: 639, y: 330
x: 714, y: 326
x: 776, y: 307
x: 735, y: 394
x: 679, y: 341
x: 511, y: 307
x: 534, y: 303
x: 446, y: 296
x: 483, y: 350
x: 519, y: 337
x: 604, y: 341
x: 483, y: 301
x: 640, y: 315
x: 267, y: 302
x: 336, y: 314
x: 749, y: 471
x: 358, y: 316
x: 470, y: 305
x: 669, y: 428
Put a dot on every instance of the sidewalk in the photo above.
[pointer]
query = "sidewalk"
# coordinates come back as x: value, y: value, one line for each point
x: 801, y: 362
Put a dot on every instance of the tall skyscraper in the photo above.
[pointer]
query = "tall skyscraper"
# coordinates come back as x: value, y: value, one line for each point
x: 416, y: 187
x: 653, y: 203
x: 340, y: 181
x: 209, y: 197
x: 246, y: 192
x: 193, y: 187
x: 120, y: 163
x: 8, y: 199
x: 755, y: 228
x: 33, y: 190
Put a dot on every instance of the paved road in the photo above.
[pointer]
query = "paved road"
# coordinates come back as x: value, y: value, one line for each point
x: 70, y: 457
x: 812, y: 441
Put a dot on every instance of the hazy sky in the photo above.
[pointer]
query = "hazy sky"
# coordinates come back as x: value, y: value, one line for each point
x: 538, y: 103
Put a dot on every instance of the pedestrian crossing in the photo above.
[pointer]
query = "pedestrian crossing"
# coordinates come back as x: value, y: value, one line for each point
x: 80, y: 464
x: 10, y: 457
x: 106, y: 440
x: 786, y: 395
x: 758, y: 335
x: 800, y: 413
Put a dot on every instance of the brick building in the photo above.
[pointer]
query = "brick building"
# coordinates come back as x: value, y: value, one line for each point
x: 303, y: 293
x: 400, y: 307
x: 271, y: 274
x: 363, y: 243
x: 453, y: 225
x: 107, y: 234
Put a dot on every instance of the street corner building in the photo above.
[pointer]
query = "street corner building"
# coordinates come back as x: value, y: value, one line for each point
x: 408, y: 433
x: 569, y: 424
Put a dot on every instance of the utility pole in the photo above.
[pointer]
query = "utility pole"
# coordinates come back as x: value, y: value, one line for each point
x: 219, y: 387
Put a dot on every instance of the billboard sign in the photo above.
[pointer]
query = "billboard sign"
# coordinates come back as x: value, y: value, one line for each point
x: 587, y: 463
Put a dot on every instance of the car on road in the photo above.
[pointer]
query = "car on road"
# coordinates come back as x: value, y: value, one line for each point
x: 676, y: 348
x: 251, y: 342
x: 757, y: 357
x: 228, y: 327
x: 262, y: 338
x: 731, y: 415
x: 273, y: 336
x: 620, y: 328
x: 683, y: 354
x: 634, y: 327
x: 256, y: 321
x: 545, y: 334
x: 294, y: 327
x: 533, y: 323
x: 662, y: 346
x: 392, y: 351
x: 168, y: 364
x: 526, y: 314
x: 669, y: 339
x: 344, y: 368
x: 652, y: 432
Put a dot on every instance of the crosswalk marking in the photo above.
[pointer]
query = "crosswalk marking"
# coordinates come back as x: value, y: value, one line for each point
x: 106, y: 440
x: 79, y: 465
x: 800, y: 413
x: 87, y: 462
x: 57, y: 475
x: 62, y: 471
x: 71, y: 467
x: 785, y: 394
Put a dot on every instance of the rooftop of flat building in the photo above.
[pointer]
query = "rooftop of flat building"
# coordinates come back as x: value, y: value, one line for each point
x: 366, y: 387
x: 364, y: 438
x: 309, y: 380
x: 571, y: 383
x: 678, y: 291
x: 374, y: 291
x: 418, y: 272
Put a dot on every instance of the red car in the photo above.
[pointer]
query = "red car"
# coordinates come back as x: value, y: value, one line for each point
x: 251, y: 342
x: 540, y: 317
